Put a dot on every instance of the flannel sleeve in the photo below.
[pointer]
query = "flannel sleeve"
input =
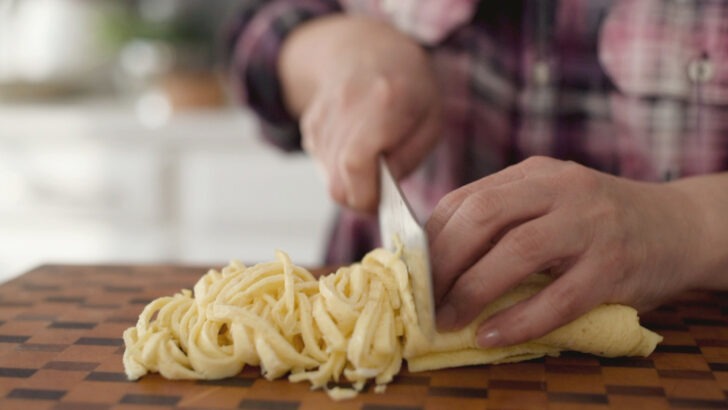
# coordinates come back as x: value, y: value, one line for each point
x: 253, y: 44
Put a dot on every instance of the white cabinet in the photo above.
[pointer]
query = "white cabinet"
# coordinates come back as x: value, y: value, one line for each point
x: 87, y: 183
x: 250, y: 202
x: 80, y: 179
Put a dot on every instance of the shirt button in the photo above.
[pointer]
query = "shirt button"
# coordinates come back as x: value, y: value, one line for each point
x: 541, y: 73
x: 700, y: 70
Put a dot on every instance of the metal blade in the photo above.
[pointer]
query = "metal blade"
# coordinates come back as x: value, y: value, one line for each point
x: 396, y: 220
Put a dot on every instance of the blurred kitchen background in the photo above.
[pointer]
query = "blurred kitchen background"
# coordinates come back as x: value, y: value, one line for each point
x: 119, y: 143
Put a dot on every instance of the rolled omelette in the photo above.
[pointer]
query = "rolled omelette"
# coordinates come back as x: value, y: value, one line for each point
x: 350, y: 327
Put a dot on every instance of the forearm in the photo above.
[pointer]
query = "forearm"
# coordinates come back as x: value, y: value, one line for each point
x: 709, y: 197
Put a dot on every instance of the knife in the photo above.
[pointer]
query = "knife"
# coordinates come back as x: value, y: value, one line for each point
x: 398, y: 223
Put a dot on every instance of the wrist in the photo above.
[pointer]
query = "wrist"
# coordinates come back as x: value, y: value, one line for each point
x: 707, y: 196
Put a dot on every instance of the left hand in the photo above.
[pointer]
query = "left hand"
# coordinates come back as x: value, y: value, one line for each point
x: 606, y: 239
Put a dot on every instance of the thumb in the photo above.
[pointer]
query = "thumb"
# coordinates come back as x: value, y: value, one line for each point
x: 407, y: 156
x: 559, y: 303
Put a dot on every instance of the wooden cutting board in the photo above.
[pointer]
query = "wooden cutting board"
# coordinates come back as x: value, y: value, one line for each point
x: 61, y: 348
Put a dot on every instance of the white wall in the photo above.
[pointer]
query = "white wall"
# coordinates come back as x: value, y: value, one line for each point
x: 86, y: 182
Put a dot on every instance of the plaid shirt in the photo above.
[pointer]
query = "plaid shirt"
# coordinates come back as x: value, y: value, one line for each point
x: 636, y: 88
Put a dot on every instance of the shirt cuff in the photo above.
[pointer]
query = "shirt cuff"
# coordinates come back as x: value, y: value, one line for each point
x: 254, y: 50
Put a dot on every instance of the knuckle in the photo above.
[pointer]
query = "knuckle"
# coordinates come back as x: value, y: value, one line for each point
x: 452, y: 201
x: 607, y: 213
x: 482, y: 207
x: 311, y: 125
x: 367, y: 201
x: 434, y: 226
x: 343, y: 97
x: 526, y: 242
x: 384, y: 90
x: 350, y: 164
x: 521, y: 327
x: 468, y: 293
x: 581, y: 177
x: 616, y: 268
x: 477, y: 287
x: 538, y: 161
x: 563, y: 300
x: 490, y: 202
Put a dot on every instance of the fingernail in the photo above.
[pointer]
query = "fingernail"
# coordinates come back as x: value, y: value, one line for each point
x: 489, y: 338
x: 446, y: 317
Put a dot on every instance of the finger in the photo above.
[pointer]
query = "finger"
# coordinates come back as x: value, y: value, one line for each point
x: 357, y: 164
x: 471, y: 230
x: 357, y: 168
x: 407, y: 156
x: 311, y: 147
x: 311, y: 125
x: 316, y: 131
x: 339, y: 185
x: 561, y: 302
x: 376, y: 130
x: 449, y: 204
x: 317, y: 118
x: 528, y: 248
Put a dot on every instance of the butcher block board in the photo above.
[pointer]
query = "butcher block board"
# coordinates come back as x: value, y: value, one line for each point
x: 61, y: 348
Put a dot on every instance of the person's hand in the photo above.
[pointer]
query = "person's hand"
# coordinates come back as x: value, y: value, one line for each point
x: 371, y: 91
x: 605, y: 239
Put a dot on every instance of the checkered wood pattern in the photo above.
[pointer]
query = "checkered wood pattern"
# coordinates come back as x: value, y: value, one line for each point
x: 61, y: 348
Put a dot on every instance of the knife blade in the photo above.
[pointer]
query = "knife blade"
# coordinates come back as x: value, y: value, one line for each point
x: 398, y: 223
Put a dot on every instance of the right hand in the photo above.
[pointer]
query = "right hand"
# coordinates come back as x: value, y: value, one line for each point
x: 361, y: 89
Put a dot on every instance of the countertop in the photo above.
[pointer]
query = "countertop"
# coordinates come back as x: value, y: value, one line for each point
x: 61, y: 348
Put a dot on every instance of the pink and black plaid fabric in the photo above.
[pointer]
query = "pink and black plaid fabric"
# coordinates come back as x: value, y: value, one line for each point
x: 636, y: 88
